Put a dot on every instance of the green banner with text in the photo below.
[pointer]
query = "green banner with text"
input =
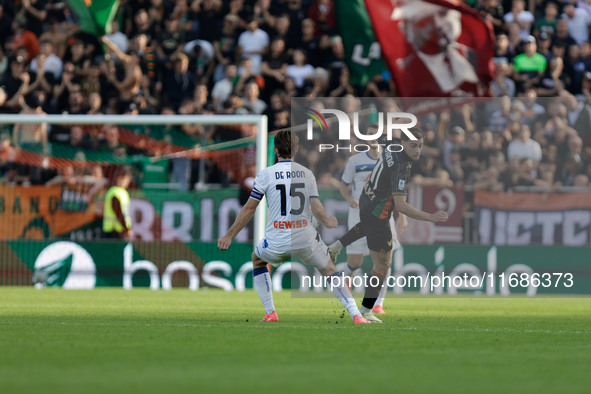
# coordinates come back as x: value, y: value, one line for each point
x: 416, y: 270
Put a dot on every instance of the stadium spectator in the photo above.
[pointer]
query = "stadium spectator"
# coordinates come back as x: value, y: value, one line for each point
x: 224, y: 87
x: 504, y: 52
x: 554, y: 79
x: 503, y: 85
x: 456, y: 138
x: 201, y: 53
x: 225, y: 46
x: 209, y: 12
x: 532, y: 109
x: 492, y: 11
x: 31, y: 137
x: 117, y: 215
x: 578, y: 23
x: 521, y: 17
x: 322, y: 12
x: 24, y: 38
x: 130, y: 85
x: 572, y: 163
x: 77, y: 56
x: 179, y: 83
x: 544, y: 46
x: 309, y: 42
x: 562, y: 35
x: 274, y: 65
x: 297, y: 13
x: 118, y: 38
x: 529, y: 66
x: 77, y: 138
x: 55, y: 36
x: 470, y: 155
x: 578, y: 115
x: 75, y: 101
x: 7, y: 152
x: 344, y: 88
x: 95, y: 104
x: 5, y: 28
x: 547, y: 23
x: 47, y: 61
x: 253, y: 44
x: 15, y: 83
x: 524, y: 147
x: 35, y: 13
x: 280, y: 27
x: 201, y: 99
x: 574, y: 69
x: 111, y: 142
x: 251, y: 99
x: 300, y: 71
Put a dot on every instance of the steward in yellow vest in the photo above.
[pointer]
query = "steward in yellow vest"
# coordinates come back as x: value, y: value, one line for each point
x: 117, y: 216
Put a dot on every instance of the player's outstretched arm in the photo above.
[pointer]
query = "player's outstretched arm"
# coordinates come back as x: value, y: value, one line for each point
x: 405, y: 208
x: 320, y: 214
x: 244, y: 216
x: 402, y: 223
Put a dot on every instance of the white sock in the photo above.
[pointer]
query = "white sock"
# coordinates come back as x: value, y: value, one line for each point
x: 263, y: 285
x: 342, y: 293
x: 363, y: 309
x: 380, y: 300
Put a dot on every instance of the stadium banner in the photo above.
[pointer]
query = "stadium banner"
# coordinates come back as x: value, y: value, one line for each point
x: 445, y: 45
x: 37, y: 212
x: 95, y: 15
x: 40, y: 212
x: 417, y: 270
x: 362, y: 49
x: 533, y: 218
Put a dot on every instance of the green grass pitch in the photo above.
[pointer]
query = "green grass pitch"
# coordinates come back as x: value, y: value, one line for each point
x: 141, y: 341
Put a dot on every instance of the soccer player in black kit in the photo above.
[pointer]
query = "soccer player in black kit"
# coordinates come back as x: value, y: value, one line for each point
x: 385, y: 189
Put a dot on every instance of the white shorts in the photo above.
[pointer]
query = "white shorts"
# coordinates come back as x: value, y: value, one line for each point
x: 360, y: 246
x: 315, y: 255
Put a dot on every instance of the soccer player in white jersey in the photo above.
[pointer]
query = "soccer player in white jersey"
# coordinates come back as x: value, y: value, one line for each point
x: 357, y: 170
x: 292, y: 197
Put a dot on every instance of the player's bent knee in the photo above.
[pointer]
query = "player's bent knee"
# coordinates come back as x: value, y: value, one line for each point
x: 381, y: 262
x: 257, y: 262
x: 355, y: 260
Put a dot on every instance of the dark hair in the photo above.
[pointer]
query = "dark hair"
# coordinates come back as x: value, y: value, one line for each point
x: 285, y: 142
x: 416, y: 131
x: 32, y: 100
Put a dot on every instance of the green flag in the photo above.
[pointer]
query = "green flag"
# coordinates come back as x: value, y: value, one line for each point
x: 362, y: 49
x: 95, y: 15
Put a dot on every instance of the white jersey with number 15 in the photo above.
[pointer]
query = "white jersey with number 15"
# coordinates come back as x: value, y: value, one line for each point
x: 288, y: 187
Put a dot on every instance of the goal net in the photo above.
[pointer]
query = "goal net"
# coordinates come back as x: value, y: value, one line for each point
x: 52, y: 189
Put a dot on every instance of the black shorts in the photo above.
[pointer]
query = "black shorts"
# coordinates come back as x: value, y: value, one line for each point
x: 377, y: 232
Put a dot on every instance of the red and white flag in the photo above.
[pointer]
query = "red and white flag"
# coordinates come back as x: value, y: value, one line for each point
x: 434, y: 48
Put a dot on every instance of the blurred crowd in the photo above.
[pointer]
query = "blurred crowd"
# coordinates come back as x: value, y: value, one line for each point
x: 252, y: 56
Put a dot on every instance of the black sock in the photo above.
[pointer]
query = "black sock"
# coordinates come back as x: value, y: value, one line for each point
x: 372, y: 292
x: 352, y: 235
